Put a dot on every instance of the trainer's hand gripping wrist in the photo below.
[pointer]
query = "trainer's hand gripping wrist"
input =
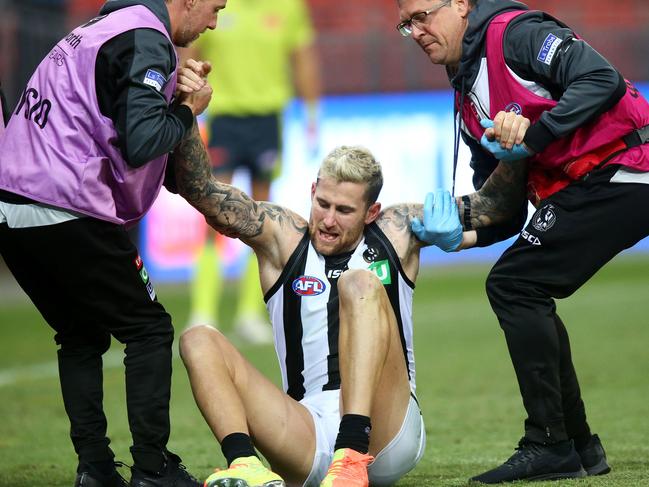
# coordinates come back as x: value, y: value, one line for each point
x: 441, y: 225
x: 519, y: 151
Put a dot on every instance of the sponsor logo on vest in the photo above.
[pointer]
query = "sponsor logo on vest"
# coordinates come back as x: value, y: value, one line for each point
x: 308, y: 286
x: 73, y: 39
x: 36, y: 108
x: 514, y: 107
x: 548, y: 49
x: 155, y: 79
x: 534, y: 240
x: 544, y: 219
x: 56, y: 57
x: 382, y: 271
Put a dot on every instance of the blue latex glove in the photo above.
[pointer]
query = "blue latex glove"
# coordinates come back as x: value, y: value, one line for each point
x: 519, y: 151
x: 441, y: 225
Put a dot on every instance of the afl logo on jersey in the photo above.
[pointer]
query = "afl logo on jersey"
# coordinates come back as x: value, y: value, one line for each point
x: 308, y: 286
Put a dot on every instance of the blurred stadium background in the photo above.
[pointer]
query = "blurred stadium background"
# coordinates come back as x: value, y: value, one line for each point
x: 380, y: 91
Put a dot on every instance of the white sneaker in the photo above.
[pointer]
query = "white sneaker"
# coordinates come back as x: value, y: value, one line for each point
x: 254, y: 330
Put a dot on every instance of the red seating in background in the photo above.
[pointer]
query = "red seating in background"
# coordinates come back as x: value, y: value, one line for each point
x: 361, y: 50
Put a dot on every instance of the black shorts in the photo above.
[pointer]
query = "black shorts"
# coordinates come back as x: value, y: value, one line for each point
x: 251, y: 142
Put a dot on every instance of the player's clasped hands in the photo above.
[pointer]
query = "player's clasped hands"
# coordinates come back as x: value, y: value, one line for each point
x: 441, y: 225
x: 503, y: 136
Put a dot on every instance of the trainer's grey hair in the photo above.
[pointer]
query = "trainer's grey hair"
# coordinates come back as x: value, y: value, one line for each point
x: 354, y: 164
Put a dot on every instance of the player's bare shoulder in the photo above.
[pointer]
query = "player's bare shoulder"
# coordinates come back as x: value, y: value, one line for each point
x: 395, y: 220
x: 289, y: 224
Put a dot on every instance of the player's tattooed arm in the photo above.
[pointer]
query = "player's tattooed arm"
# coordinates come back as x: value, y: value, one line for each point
x: 499, y: 199
x: 395, y: 220
x: 227, y: 209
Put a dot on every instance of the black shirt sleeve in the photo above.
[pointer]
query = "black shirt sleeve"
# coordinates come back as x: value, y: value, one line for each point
x: 146, y: 126
x: 583, y: 82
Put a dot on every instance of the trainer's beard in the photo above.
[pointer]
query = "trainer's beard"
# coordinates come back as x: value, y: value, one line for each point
x: 185, y: 37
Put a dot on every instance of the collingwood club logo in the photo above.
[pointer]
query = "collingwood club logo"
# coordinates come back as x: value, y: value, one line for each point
x: 544, y: 219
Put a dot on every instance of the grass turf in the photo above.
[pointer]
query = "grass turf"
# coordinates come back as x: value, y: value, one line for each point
x: 466, y: 384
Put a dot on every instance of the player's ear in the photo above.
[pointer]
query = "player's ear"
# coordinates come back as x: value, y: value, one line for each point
x: 372, y: 212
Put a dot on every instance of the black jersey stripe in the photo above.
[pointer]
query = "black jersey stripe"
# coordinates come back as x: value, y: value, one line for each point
x: 292, y: 318
x: 333, y: 327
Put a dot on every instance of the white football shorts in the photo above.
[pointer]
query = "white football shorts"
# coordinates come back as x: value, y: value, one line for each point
x: 390, y: 464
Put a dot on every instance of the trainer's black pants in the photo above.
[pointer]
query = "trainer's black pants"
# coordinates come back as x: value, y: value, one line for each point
x: 85, y: 279
x: 572, y: 235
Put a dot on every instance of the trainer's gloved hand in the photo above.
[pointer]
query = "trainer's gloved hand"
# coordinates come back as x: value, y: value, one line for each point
x: 519, y: 151
x: 441, y: 226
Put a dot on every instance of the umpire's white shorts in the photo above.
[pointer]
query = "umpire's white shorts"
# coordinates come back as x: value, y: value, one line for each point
x: 389, y: 465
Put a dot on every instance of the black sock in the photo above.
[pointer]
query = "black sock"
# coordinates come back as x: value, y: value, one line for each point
x: 237, y: 445
x: 354, y: 433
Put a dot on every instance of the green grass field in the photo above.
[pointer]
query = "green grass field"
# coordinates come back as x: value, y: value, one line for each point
x: 466, y: 384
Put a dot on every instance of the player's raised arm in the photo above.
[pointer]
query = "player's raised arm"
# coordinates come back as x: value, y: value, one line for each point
x: 227, y: 209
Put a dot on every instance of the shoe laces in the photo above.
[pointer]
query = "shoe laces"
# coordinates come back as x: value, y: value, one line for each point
x: 341, y: 465
x: 181, y: 470
x: 525, y: 451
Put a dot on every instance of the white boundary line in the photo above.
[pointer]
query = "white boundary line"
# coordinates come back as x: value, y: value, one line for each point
x: 46, y: 370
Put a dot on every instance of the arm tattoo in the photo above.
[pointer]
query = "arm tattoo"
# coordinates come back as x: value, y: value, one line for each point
x: 286, y: 218
x: 226, y: 208
x: 500, y: 198
x: 395, y: 220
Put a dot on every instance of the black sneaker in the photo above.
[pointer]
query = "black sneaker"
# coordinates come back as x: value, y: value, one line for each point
x: 593, y: 457
x: 173, y: 474
x: 535, y: 461
x: 88, y: 476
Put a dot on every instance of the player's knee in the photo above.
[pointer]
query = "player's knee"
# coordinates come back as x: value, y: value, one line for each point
x: 194, y: 339
x: 355, y: 284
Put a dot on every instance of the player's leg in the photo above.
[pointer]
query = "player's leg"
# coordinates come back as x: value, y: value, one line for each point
x: 244, y: 409
x: 375, y: 390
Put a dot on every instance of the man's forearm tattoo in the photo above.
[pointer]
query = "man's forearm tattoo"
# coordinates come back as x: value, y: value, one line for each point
x: 226, y: 208
x: 499, y: 199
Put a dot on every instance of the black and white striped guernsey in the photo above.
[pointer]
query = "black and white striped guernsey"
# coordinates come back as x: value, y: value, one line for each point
x: 303, y: 308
